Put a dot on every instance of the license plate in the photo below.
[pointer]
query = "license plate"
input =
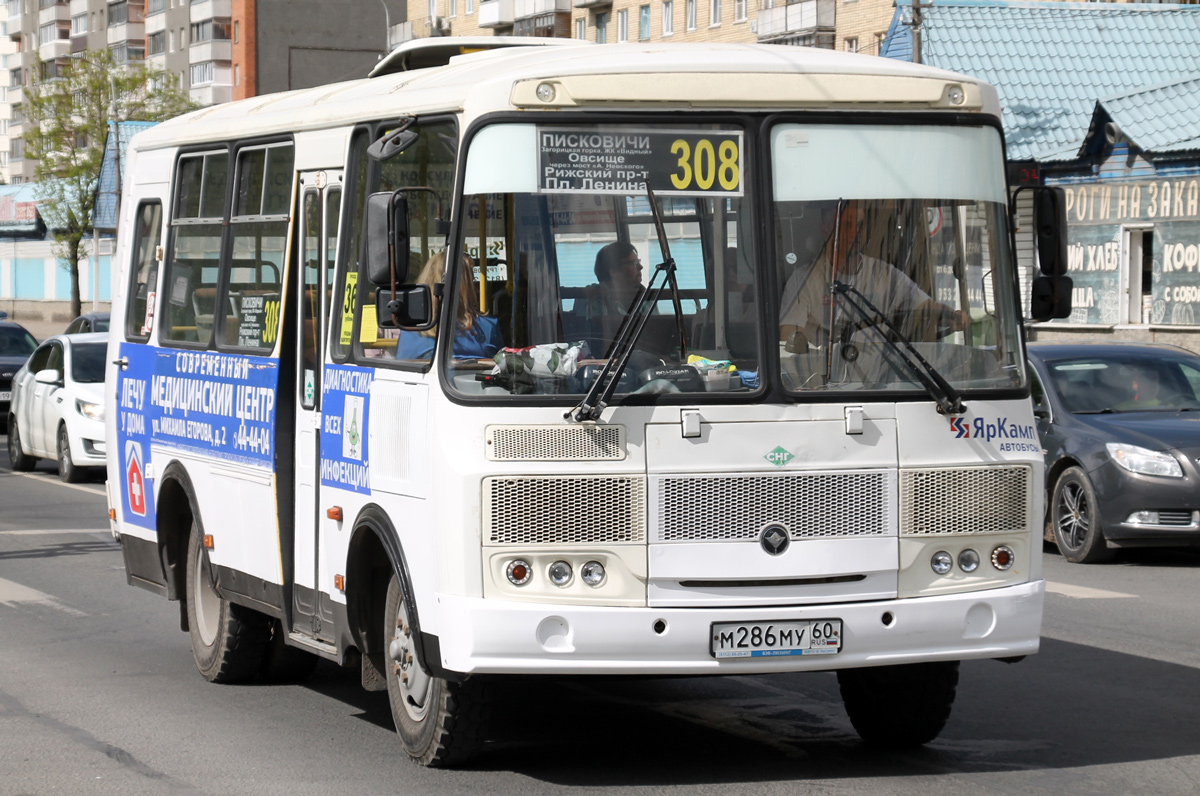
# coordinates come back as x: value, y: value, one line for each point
x: 5, y: 396
x: 776, y: 639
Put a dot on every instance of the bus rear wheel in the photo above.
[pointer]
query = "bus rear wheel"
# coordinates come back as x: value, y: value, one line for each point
x: 440, y: 723
x: 228, y: 640
x: 899, y: 706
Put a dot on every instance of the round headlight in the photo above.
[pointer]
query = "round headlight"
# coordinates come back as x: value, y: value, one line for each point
x: 560, y: 573
x: 941, y: 562
x: 968, y: 560
x: 546, y: 92
x: 519, y: 572
x: 592, y: 573
x: 1003, y: 557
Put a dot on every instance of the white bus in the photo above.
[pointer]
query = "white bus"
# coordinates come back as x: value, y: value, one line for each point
x: 584, y: 360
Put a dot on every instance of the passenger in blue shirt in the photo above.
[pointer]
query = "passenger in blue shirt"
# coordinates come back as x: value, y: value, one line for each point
x: 476, y: 336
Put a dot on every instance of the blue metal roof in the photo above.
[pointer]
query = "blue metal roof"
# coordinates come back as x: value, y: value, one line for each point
x: 1051, y: 62
x: 105, y: 215
x: 1159, y: 119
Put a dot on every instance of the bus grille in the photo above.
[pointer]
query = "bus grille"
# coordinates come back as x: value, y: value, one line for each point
x: 713, y: 508
x: 555, y: 443
x: 564, y: 509
x: 965, y: 501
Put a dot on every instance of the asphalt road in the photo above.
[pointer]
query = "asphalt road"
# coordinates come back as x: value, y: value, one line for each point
x: 99, y: 695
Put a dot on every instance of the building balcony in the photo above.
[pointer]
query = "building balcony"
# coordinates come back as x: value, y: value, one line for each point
x: 59, y: 12
x: 496, y: 13
x: 130, y: 31
x: 524, y: 9
x: 155, y: 22
x: 211, y: 93
x: 808, y: 16
x: 78, y: 7
x: 54, y: 49
x: 216, y: 50
x: 592, y: 3
x: 210, y: 9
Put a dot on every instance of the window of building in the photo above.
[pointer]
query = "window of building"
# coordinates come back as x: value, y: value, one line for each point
x: 690, y: 12
x: 602, y: 28
x: 453, y: 10
x: 16, y: 149
x: 644, y: 23
x: 714, y: 12
x: 202, y: 73
x: 623, y: 25
x: 210, y: 30
x: 470, y: 7
x: 581, y: 28
x: 739, y: 10
x: 154, y: 6
x: 79, y: 24
x: 668, y: 17
x: 850, y: 44
x: 237, y: 32
x: 52, y: 31
x: 156, y: 43
x: 879, y: 39
x: 118, y: 14
x: 171, y: 41
x: 237, y: 74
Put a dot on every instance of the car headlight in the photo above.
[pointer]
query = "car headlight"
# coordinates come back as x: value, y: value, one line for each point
x: 90, y: 410
x: 1144, y: 461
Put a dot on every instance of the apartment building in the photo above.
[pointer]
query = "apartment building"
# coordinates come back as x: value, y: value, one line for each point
x: 7, y: 48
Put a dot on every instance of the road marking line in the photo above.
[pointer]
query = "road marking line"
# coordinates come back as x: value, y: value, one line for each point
x: 12, y: 594
x: 1083, y: 592
x: 54, y: 531
x: 46, y: 480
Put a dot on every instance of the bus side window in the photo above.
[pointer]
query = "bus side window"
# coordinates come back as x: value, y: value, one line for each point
x: 259, y: 225
x: 139, y: 312
x: 194, y: 254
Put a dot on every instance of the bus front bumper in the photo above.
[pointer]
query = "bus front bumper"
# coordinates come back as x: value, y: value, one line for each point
x: 499, y: 637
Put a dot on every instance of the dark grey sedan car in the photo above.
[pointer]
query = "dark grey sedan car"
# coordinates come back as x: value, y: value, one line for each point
x: 1120, y: 424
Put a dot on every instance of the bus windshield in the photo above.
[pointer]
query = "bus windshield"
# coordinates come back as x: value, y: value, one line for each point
x: 563, y: 219
x: 892, y: 240
x: 890, y: 246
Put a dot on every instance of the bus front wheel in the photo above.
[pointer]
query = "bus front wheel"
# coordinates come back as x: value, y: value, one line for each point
x: 899, y: 706
x: 439, y: 723
x: 228, y: 640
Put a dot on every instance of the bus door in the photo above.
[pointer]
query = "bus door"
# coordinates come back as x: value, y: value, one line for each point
x: 320, y: 200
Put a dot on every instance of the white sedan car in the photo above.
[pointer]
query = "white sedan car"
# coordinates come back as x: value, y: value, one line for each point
x: 58, y: 406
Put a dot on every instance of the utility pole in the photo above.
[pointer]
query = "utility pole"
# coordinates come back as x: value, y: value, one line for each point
x: 915, y: 24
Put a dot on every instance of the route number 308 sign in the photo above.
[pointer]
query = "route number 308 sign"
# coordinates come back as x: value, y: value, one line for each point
x: 627, y: 161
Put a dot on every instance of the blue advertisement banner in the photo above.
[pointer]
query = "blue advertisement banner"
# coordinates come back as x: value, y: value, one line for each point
x: 221, y: 406
x: 345, y: 405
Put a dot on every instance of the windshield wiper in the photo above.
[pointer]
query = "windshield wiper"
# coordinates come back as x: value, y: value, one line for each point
x: 605, y: 383
x: 948, y: 399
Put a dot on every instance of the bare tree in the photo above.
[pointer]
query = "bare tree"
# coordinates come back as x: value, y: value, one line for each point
x: 68, y: 117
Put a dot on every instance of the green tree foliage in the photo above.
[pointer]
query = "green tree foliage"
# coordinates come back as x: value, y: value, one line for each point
x: 68, y: 118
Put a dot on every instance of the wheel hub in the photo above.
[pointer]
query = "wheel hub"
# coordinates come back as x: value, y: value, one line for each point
x: 413, y: 682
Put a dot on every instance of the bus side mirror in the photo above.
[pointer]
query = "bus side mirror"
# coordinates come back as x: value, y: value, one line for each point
x: 1050, y: 214
x: 387, y: 238
x: 411, y: 306
x: 1050, y: 298
x: 1050, y: 293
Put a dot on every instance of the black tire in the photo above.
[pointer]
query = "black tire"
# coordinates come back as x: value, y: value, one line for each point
x: 899, y: 706
x: 19, y: 460
x: 282, y: 663
x: 228, y: 640
x: 1076, y: 520
x: 439, y: 723
x: 68, y: 472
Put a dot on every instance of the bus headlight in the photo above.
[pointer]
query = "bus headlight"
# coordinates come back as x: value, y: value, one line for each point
x: 1003, y: 557
x: 941, y: 562
x: 560, y: 573
x: 592, y: 573
x: 968, y: 560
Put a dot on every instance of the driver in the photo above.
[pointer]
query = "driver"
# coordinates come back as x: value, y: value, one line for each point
x: 808, y: 306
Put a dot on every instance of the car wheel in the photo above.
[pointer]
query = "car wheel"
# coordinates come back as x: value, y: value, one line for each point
x: 899, y: 706
x: 439, y: 723
x: 1076, y: 519
x: 68, y: 471
x: 18, y: 459
x: 228, y: 640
